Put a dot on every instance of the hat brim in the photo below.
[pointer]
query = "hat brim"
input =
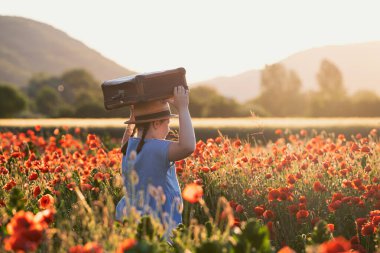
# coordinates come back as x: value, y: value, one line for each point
x: 150, y: 120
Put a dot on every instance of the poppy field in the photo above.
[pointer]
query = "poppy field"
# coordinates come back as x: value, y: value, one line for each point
x: 303, y: 192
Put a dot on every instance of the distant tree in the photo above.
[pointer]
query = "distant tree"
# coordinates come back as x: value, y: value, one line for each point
x: 40, y: 80
x: 48, y: 101
x: 331, y: 99
x: 78, y: 81
x: 280, y: 91
x: 206, y: 101
x: 11, y: 101
x: 365, y: 104
x: 68, y: 92
x: 330, y: 81
x: 90, y: 110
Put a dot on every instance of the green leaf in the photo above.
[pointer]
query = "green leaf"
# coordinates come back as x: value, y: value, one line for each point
x: 208, y: 247
x: 364, y: 161
x: 16, y: 200
x: 145, y: 228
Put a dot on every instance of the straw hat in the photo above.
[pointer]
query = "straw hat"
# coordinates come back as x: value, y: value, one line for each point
x: 150, y: 111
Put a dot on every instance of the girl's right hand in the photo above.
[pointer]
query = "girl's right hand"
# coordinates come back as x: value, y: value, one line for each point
x: 181, y: 98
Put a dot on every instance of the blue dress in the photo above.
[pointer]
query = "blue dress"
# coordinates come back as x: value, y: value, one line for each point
x: 155, y: 175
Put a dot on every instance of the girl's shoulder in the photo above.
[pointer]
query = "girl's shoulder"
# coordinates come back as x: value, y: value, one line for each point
x: 152, y: 142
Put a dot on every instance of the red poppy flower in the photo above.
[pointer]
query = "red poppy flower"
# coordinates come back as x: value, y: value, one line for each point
x: 126, y: 245
x: 302, y: 214
x: 90, y: 247
x: 268, y: 214
x: 239, y: 209
x: 367, y: 229
x: 192, y: 193
x: 33, y: 176
x: 286, y: 249
x: 293, y: 209
x: 291, y: 179
x: 273, y: 195
x: 46, y: 201
x: 339, y: 244
x: 258, y: 210
x: 318, y: 187
x: 26, y: 231
x: 36, y: 191
x: 331, y: 227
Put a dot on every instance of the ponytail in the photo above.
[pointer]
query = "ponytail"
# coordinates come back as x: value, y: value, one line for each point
x: 145, y: 128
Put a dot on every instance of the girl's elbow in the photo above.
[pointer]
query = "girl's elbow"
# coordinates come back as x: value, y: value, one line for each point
x: 190, y: 149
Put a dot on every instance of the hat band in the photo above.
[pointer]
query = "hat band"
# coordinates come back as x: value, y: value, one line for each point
x: 153, y: 115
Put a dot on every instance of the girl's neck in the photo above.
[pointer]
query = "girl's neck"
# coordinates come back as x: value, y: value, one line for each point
x: 147, y: 136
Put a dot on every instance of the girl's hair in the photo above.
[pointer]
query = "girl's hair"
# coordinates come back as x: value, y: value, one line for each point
x: 144, y: 127
x: 141, y: 126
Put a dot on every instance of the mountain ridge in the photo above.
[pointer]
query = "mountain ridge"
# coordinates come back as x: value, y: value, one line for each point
x: 28, y: 46
x: 349, y: 58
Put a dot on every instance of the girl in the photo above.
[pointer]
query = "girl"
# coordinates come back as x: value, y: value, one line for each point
x: 152, y: 158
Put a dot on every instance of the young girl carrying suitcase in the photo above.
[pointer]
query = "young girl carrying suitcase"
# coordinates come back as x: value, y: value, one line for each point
x: 151, y: 158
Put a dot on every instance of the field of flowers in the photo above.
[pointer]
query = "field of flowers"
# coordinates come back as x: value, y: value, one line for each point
x: 305, y: 192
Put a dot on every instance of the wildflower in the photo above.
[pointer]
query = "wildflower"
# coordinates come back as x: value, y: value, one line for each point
x: 303, y: 132
x: 291, y: 179
x: 192, y: 193
x: 268, y: 214
x: 302, y: 199
x: 36, y: 191
x: 26, y: 230
x: 301, y: 215
x: 205, y: 169
x: 354, y: 147
x: 90, y: 247
x: 239, y: 209
x: 367, y: 229
x: 278, y: 132
x: 8, y: 186
x: 293, y: 209
x: 286, y: 249
x: 315, y: 221
x: 126, y: 245
x: 237, y: 143
x: 365, y: 149
x: 331, y: 227
x: 318, y: 187
x: 46, y: 201
x: 33, y: 176
x: 334, y: 205
x: 273, y: 195
x: 45, y: 217
x: 258, y: 210
x: 360, y: 222
x: 338, y: 244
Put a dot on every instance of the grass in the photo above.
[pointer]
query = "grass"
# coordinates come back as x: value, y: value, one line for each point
x: 213, y: 123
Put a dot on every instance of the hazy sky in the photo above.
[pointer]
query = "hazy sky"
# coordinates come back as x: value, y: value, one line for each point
x: 208, y: 38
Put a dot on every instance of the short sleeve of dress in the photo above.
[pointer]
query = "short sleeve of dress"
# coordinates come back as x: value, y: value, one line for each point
x: 164, y: 151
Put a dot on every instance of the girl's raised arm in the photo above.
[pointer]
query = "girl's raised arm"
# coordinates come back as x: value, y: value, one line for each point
x: 186, y: 143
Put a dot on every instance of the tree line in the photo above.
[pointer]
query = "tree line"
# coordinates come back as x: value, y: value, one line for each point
x: 76, y: 93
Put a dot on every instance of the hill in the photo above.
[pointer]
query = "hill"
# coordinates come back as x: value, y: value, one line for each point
x: 28, y: 46
x: 359, y: 64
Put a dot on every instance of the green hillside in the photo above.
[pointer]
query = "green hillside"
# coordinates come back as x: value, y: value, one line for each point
x: 27, y: 47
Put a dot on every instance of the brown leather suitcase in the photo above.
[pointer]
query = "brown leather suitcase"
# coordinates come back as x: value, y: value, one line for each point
x: 133, y: 89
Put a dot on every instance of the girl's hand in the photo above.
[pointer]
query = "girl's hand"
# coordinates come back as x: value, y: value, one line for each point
x: 180, y: 99
x: 132, y: 112
x: 131, y: 117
